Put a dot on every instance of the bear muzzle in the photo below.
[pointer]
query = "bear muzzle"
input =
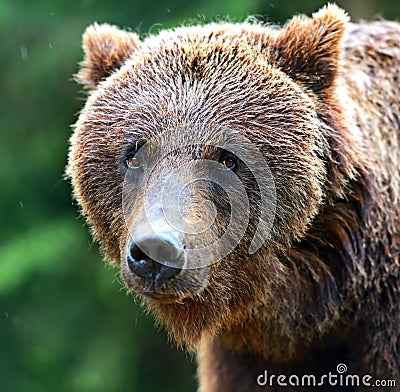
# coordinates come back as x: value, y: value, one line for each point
x: 156, y: 258
x: 157, y: 263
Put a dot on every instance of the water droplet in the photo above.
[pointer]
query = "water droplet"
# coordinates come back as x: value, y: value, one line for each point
x: 24, y: 52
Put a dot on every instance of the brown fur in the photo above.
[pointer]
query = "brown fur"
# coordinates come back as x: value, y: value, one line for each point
x: 320, y: 99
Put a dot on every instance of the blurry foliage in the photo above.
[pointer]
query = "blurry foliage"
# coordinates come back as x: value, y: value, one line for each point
x: 65, y: 322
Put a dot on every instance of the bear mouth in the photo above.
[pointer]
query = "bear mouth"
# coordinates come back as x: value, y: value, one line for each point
x: 171, y: 293
x: 162, y: 298
x: 161, y: 292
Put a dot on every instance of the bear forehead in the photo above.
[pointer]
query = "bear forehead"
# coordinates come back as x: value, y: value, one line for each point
x: 214, y: 36
x: 217, y: 73
x: 207, y: 51
x: 218, y: 57
x: 146, y: 98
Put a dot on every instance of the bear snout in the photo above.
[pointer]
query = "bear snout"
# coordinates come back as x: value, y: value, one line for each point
x: 155, y: 258
x: 157, y: 263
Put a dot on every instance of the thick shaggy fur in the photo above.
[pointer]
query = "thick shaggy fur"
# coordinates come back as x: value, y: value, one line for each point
x: 321, y: 100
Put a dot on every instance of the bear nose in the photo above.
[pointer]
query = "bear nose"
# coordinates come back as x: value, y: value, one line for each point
x: 157, y: 258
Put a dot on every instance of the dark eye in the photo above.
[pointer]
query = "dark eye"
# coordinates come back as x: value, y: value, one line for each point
x: 134, y: 160
x: 228, y: 162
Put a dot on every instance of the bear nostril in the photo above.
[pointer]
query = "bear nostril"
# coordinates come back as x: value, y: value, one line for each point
x: 155, y: 258
x: 135, y: 253
x: 139, y: 263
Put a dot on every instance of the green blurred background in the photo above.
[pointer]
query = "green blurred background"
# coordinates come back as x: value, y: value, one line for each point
x: 65, y: 322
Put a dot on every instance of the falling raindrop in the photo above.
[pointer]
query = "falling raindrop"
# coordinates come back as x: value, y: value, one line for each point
x: 24, y: 52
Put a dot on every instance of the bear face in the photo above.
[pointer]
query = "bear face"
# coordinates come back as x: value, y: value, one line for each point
x: 219, y: 93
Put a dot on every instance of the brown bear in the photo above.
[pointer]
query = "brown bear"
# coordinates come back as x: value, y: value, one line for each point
x: 285, y: 138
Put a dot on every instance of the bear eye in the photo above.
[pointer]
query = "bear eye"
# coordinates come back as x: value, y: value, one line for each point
x: 228, y: 163
x: 133, y: 162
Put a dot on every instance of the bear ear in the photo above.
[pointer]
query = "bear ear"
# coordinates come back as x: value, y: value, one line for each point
x: 106, y: 48
x: 309, y: 49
